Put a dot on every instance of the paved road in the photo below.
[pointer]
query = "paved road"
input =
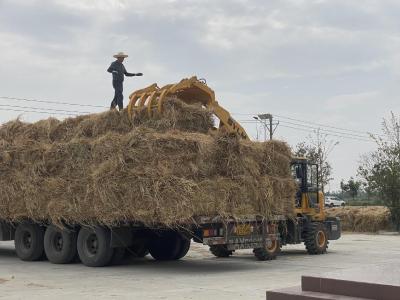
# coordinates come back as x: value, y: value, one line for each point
x: 198, y: 276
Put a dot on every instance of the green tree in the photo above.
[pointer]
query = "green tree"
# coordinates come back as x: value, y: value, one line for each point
x: 351, y: 187
x: 381, y: 168
x: 317, y: 150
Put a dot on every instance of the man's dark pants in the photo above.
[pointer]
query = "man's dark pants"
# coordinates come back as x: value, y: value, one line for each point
x: 118, y: 96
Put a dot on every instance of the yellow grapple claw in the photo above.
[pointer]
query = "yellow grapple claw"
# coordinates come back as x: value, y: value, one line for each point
x: 189, y: 90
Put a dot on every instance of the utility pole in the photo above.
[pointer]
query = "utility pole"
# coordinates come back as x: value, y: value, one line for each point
x: 270, y: 125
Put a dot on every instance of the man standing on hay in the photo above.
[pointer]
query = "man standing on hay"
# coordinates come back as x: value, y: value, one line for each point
x: 117, y: 69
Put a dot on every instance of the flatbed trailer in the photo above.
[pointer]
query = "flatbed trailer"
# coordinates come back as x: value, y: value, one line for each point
x: 99, y: 246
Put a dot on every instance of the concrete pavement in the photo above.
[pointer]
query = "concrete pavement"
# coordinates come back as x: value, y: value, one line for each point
x: 197, y: 276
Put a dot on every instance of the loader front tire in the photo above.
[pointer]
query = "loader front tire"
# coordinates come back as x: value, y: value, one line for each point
x: 60, y: 245
x: 220, y: 251
x: 316, y: 238
x: 29, y: 241
x: 269, y: 252
x: 94, y: 246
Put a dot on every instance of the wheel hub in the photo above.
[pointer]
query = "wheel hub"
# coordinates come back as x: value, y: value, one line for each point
x: 321, y: 239
x: 271, y: 246
x: 58, y: 242
x: 92, y: 244
x: 27, y: 240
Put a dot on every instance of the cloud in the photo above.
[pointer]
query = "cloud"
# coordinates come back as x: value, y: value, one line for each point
x: 351, y: 101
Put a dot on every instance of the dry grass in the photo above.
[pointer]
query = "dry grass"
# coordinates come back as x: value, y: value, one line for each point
x: 103, y: 169
x: 362, y: 218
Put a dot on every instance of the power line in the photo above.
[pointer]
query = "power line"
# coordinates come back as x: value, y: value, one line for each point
x: 325, y: 130
x: 331, y: 134
x: 244, y: 114
x: 322, y: 125
x: 310, y: 122
x: 313, y: 129
x: 48, y: 109
x: 74, y: 113
x: 51, y: 102
x: 38, y: 112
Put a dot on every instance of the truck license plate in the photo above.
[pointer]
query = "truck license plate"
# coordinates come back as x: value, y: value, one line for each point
x: 243, y: 229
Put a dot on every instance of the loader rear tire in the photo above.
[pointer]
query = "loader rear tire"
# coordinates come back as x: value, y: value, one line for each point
x: 94, y: 246
x: 316, y: 238
x: 29, y: 241
x: 60, y: 245
x: 165, y: 246
x: 220, y: 251
x: 269, y: 252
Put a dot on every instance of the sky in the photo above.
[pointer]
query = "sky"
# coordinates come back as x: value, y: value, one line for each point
x: 333, y: 65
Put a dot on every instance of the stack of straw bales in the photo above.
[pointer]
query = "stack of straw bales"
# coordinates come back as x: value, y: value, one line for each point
x: 362, y: 218
x: 107, y: 169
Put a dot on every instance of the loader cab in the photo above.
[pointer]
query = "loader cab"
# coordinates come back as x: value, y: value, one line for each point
x: 309, y: 199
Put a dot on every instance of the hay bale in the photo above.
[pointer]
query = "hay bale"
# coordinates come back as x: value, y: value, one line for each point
x: 176, y: 115
x: 362, y: 218
x: 102, y: 168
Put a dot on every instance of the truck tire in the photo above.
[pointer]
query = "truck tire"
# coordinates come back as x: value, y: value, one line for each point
x: 183, y: 248
x: 269, y: 252
x: 94, y: 246
x: 316, y: 238
x: 60, y: 245
x: 220, y: 251
x: 29, y: 241
x: 165, y: 246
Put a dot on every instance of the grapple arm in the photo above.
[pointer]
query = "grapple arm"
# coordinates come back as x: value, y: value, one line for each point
x: 189, y: 90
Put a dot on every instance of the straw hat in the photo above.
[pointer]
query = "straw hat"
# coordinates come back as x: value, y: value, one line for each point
x: 120, y: 54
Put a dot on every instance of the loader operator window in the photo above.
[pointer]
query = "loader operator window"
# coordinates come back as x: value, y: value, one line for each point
x: 312, y: 178
x: 297, y: 173
x: 312, y: 185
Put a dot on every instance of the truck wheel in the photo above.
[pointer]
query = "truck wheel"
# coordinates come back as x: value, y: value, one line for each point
x: 166, y: 246
x: 94, y: 246
x: 60, y: 245
x: 316, y: 238
x: 220, y: 251
x: 29, y: 241
x: 269, y: 252
x: 183, y: 249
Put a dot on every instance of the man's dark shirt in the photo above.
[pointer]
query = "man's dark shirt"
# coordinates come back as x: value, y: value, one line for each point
x: 118, y: 71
